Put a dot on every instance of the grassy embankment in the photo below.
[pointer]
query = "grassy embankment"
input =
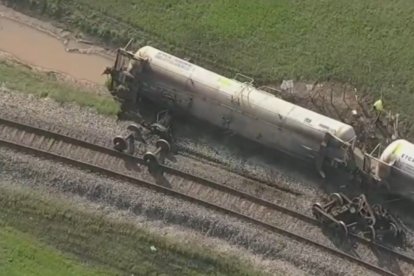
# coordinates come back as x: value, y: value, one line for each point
x: 20, y: 78
x: 93, y: 244
x: 21, y: 254
x: 364, y: 43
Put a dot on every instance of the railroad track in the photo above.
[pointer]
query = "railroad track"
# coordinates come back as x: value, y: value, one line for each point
x: 192, y: 188
x: 185, y: 152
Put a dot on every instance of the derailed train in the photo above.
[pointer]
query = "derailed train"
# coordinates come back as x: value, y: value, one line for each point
x: 256, y: 114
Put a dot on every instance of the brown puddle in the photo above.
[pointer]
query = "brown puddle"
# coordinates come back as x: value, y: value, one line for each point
x: 40, y: 49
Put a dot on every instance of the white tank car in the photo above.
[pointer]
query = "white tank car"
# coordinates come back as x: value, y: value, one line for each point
x: 249, y: 112
x: 396, y: 166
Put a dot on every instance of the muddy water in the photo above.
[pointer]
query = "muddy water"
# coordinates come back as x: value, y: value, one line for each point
x: 40, y: 49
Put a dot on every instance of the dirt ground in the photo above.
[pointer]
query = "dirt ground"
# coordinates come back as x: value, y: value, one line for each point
x: 45, y: 47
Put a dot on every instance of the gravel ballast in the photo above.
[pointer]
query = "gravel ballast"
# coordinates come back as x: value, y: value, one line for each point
x: 281, y: 254
x: 145, y: 203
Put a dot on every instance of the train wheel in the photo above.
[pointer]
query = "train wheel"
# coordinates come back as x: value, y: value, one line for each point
x: 133, y: 127
x: 163, y: 144
x: 120, y: 144
x: 341, y: 229
x: 337, y: 198
x: 393, y: 230
x: 316, y: 211
x: 372, y: 233
x: 150, y: 158
x: 370, y: 221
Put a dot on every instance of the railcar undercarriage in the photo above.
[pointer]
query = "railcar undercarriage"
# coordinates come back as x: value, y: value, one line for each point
x: 358, y: 217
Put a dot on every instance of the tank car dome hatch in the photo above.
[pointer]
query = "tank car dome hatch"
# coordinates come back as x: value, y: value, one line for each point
x: 400, y: 155
x: 141, y: 53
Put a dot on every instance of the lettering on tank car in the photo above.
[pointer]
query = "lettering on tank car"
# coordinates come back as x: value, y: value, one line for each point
x: 325, y: 127
x: 307, y: 120
x: 174, y: 61
x: 407, y: 157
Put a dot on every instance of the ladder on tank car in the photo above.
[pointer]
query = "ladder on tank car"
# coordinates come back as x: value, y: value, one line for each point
x: 246, y: 89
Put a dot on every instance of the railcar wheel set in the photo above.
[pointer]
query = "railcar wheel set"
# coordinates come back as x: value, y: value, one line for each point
x: 357, y: 216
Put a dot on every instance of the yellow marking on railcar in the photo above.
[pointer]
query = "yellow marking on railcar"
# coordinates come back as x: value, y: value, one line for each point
x: 224, y: 81
x: 398, y: 149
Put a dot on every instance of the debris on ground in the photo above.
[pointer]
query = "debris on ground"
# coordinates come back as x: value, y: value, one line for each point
x: 356, y: 216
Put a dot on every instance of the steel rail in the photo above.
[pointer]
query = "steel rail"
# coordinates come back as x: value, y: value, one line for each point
x: 182, y: 174
x: 210, y: 183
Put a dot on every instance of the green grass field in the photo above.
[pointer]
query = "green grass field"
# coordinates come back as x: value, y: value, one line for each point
x: 117, y: 248
x: 21, y: 78
x: 364, y: 43
x: 21, y: 254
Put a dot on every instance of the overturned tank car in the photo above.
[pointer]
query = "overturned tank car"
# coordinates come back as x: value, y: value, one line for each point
x: 236, y: 105
x: 231, y: 104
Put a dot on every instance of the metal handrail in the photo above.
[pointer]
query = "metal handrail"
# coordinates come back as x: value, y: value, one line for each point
x: 251, y: 80
x: 275, y: 92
